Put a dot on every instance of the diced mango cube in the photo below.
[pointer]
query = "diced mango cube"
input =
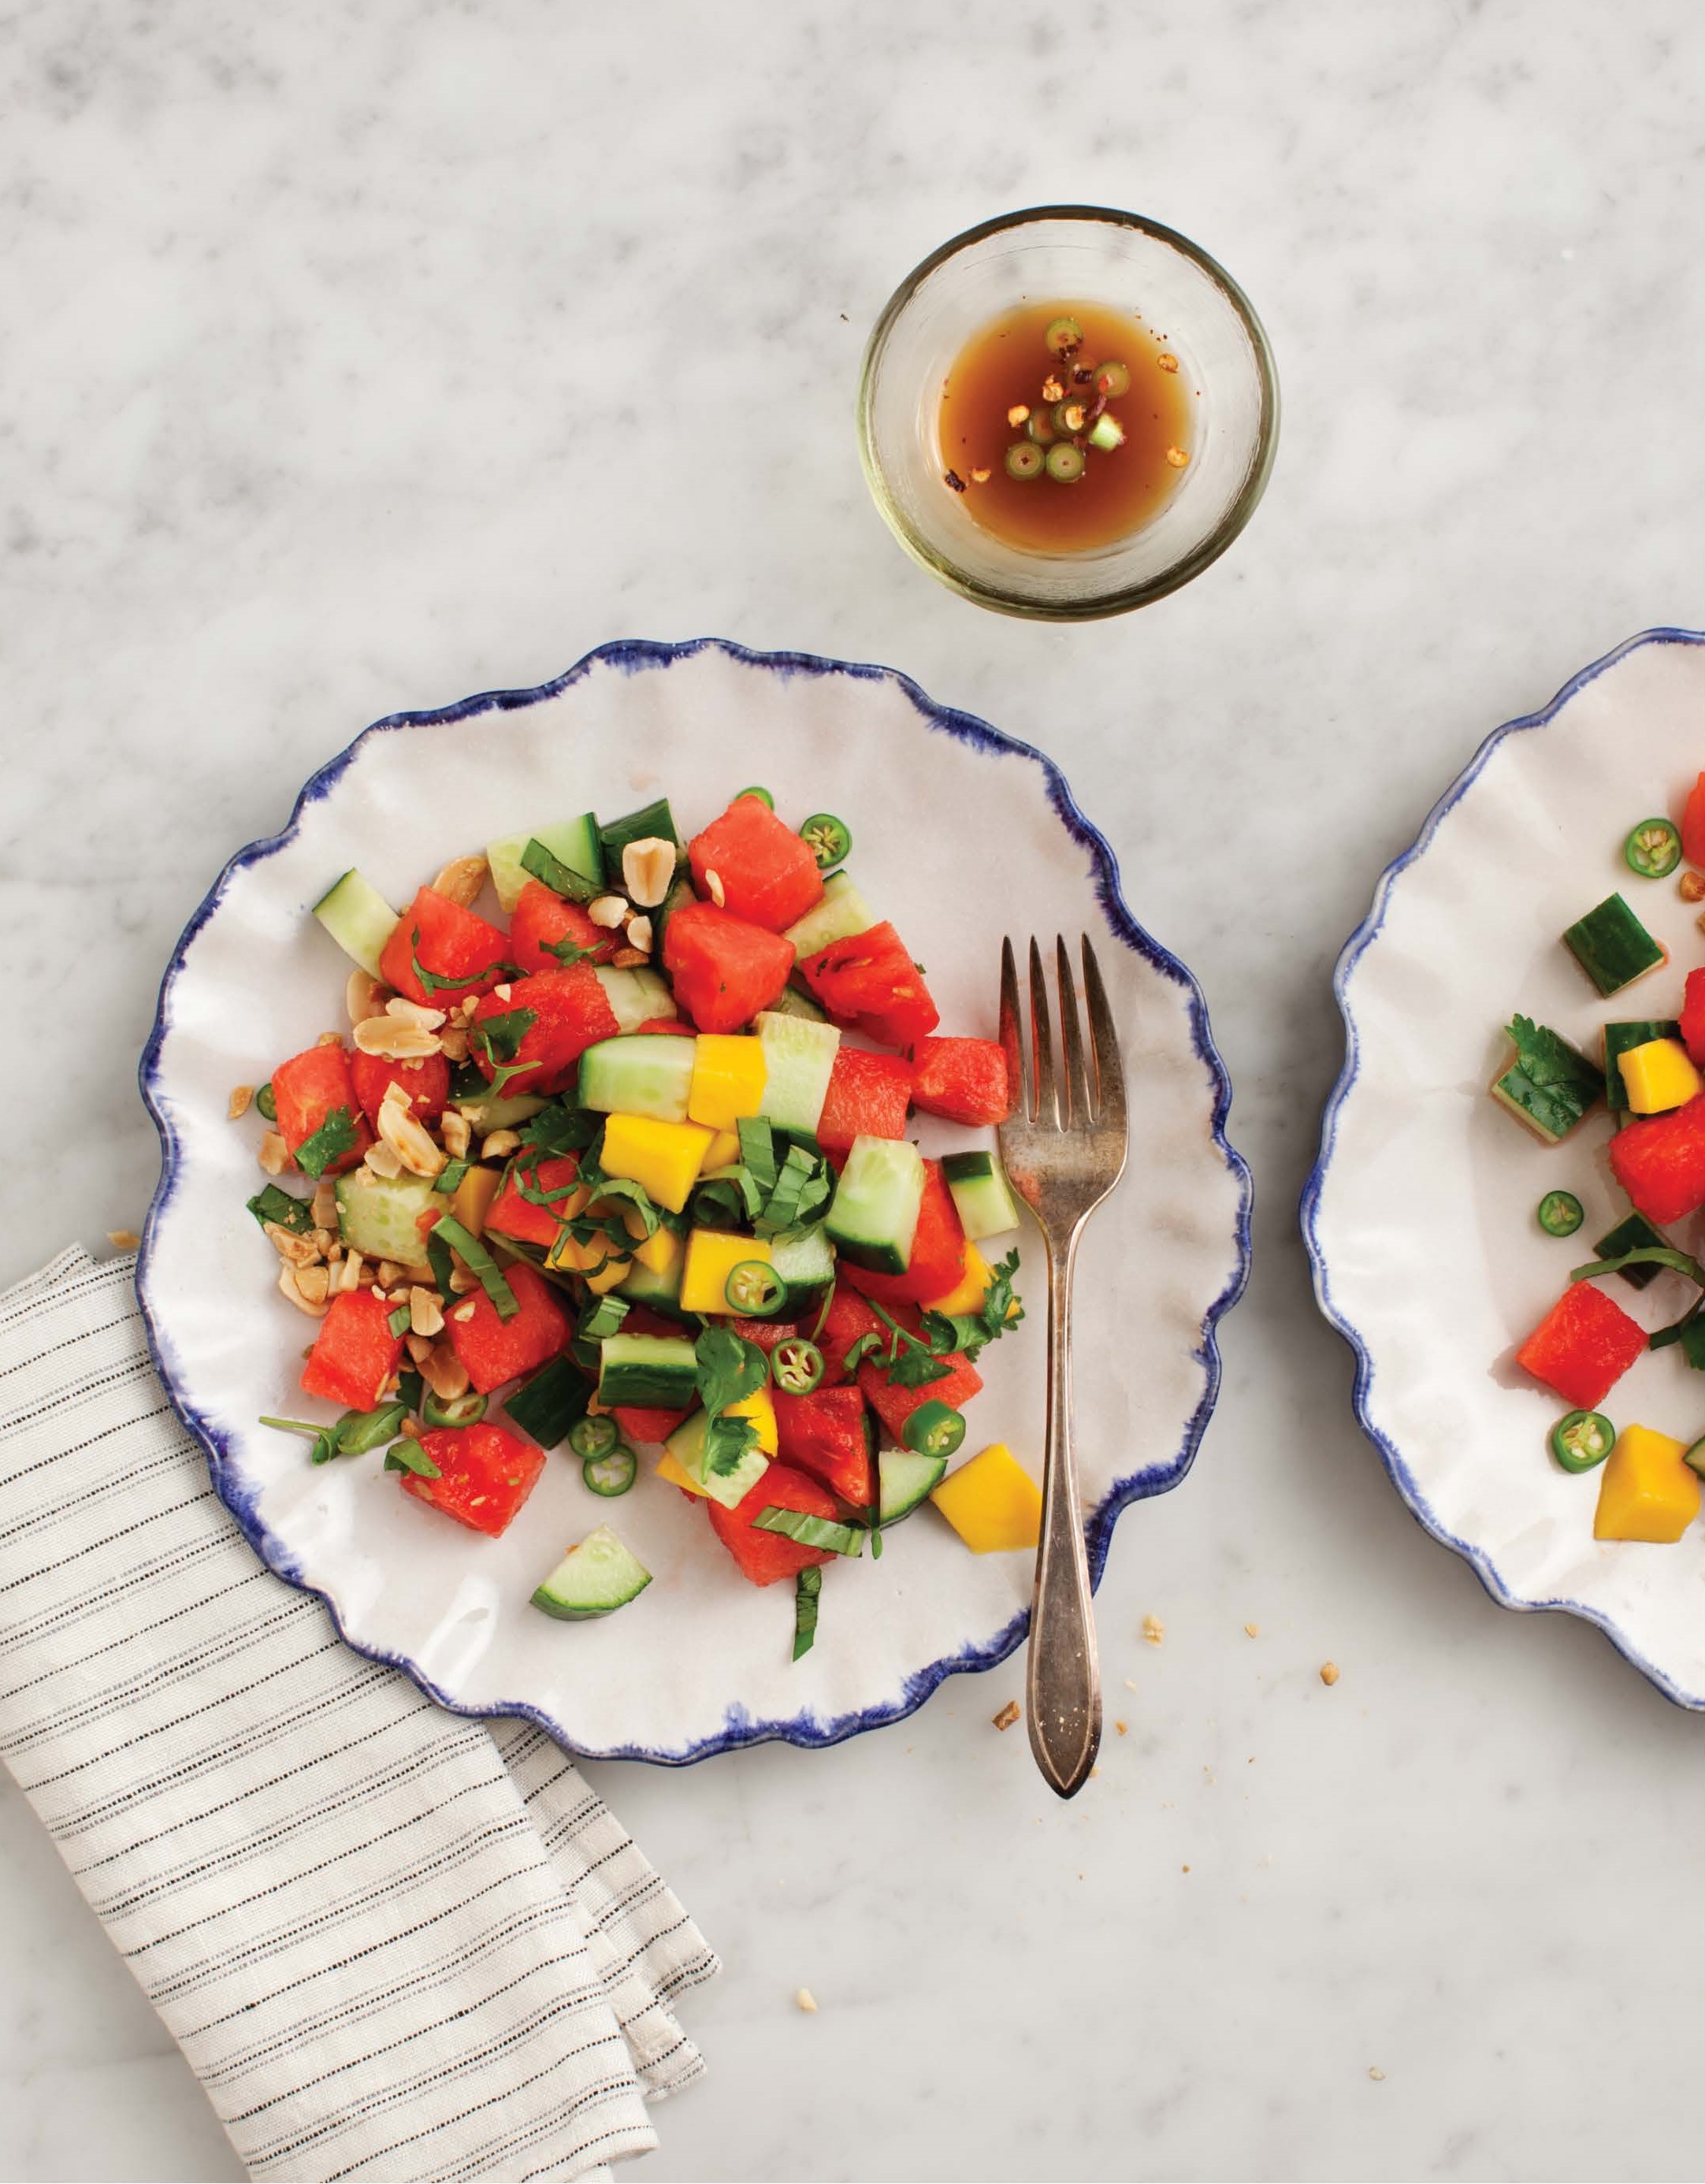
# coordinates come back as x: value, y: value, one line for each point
x: 1659, y: 1076
x: 723, y: 1152
x: 664, y: 1158
x: 471, y: 1200
x: 728, y: 1074
x: 992, y: 1502
x: 582, y: 1258
x: 659, y: 1251
x: 1646, y: 1490
x: 758, y: 1407
x: 605, y: 1277
x: 712, y: 1254
x: 972, y: 1286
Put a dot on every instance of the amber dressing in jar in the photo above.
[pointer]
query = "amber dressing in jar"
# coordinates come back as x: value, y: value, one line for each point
x: 1009, y: 367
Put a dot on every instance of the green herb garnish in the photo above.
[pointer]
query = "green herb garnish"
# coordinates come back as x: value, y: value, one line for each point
x: 334, y: 1138
x: 807, y: 1587
x: 279, y: 1207
x: 730, y: 1368
x: 1548, y: 1083
x: 560, y: 878
x: 450, y: 1176
x: 479, y: 1263
x: 409, y: 1456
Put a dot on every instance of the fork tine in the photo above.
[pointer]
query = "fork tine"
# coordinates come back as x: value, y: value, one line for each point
x: 1042, y: 1044
x: 1110, y: 1070
x: 1010, y: 1038
x: 1074, y: 1092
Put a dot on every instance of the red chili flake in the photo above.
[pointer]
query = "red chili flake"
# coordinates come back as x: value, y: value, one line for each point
x: 954, y: 479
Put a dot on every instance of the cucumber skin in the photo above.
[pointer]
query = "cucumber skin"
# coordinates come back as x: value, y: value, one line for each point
x: 354, y: 913
x: 985, y: 1203
x: 923, y: 1473
x: 574, y: 841
x: 655, y: 1372
x: 842, y: 914
x: 799, y: 1057
x: 875, y: 1163
x: 633, y: 1076
x: 375, y: 1215
x: 634, y: 996
x: 607, y: 1549
x: 687, y: 1446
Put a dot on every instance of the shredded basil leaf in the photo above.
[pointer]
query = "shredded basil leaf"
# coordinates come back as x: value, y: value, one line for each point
x: 1648, y: 1255
x: 478, y: 1261
x: 278, y: 1207
x: 560, y: 878
x: 866, y: 1346
x: 450, y: 1176
x: 807, y: 1587
x: 398, y: 1321
x: 812, y: 1531
x: 561, y: 1129
x: 432, y: 982
x: 330, y: 1142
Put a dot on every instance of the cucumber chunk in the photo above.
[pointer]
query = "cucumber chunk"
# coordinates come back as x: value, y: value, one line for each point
x: 982, y: 1196
x: 574, y: 840
x: 791, y: 1002
x: 803, y: 1263
x: 645, y: 1285
x: 358, y: 919
x: 635, y: 997
x: 652, y: 822
x: 1613, y: 947
x: 596, y: 1577
x: 657, y: 1372
x: 377, y: 1215
x: 873, y: 1215
x: 687, y: 1446
x: 842, y: 913
x: 798, y: 1055
x: 486, y: 1116
x: 651, y: 1075
x: 904, y: 1480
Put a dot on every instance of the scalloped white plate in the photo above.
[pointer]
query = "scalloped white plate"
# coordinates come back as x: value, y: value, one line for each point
x: 1419, y: 1213
x: 956, y: 829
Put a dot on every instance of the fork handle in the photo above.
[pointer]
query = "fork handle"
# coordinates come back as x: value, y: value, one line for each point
x: 1063, y: 1681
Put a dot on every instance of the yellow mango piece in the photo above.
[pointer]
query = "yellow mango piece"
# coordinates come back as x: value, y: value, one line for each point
x: 664, y: 1158
x: 659, y: 1252
x: 1646, y: 1490
x: 971, y: 1287
x: 723, y: 1152
x: 728, y: 1074
x: 992, y: 1502
x: 471, y: 1200
x: 758, y: 1407
x: 1659, y: 1076
x: 712, y: 1254
x: 605, y: 1277
x: 677, y: 1474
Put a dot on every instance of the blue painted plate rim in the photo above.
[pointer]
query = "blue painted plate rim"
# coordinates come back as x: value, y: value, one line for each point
x: 1478, y: 1558
x: 633, y: 655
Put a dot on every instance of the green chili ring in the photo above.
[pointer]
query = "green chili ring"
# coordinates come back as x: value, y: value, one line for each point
x: 1653, y: 849
x: 763, y: 796
x: 828, y: 839
x: 593, y: 1436
x: 463, y: 1410
x: 1560, y: 1213
x: 611, y: 1473
x: 754, y: 1289
x: 264, y: 1103
x: 796, y: 1366
x: 1582, y: 1439
x: 935, y: 1428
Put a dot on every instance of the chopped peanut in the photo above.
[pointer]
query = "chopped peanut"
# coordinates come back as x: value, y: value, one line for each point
x: 1167, y: 361
x: 1177, y: 458
x: 806, y: 2001
x: 363, y: 996
x: 713, y: 888
x: 1154, y: 1630
x: 1692, y: 886
x: 461, y: 880
x: 274, y: 1156
x: 607, y: 911
x: 456, y: 1131
x: 1329, y: 1673
x: 425, y: 1316
x: 1008, y: 1714
x: 238, y: 1104
x: 124, y: 1240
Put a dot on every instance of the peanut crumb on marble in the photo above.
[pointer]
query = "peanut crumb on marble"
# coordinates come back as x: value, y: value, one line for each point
x: 238, y: 1106
x: 1251, y: 1631
x: 1329, y: 1673
x: 1123, y: 1727
x: 1692, y: 886
x: 1177, y: 458
x: 124, y: 1240
x: 1167, y: 361
x: 806, y: 2001
x: 1154, y: 1630
x: 1007, y: 1715
x: 1376, y: 2074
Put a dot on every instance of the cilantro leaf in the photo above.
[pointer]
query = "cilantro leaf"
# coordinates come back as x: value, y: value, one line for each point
x: 568, y: 951
x: 866, y: 1346
x: 560, y: 1127
x: 730, y: 1368
x: 409, y: 1456
x: 334, y: 1138
x: 1548, y: 1082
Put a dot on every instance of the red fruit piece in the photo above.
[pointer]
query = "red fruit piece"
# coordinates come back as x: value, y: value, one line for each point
x: 513, y: 1214
x: 894, y: 1405
x: 1583, y: 1346
x: 1693, y: 824
x: 848, y: 1317
x: 723, y: 969
x: 938, y: 1250
x: 427, y: 1082
x: 963, y: 1080
x: 639, y: 1423
x: 766, y: 1333
x: 824, y: 1433
x: 485, y: 1474
x: 355, y: 1352
x: 307, y: 1090
x: 672, y: 1025
x: 869, y: 981
x: 867, y: 1097
x: 1693, y: 1015
x: 541, y: 922
x: 496, y: 1350
x: 766, y: 1556
x: 548, y: 1022
x: 766, y: 873
x: 1659, y: 1160
x: 462, y: 953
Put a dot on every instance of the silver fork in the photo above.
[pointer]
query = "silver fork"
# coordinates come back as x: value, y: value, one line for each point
x: 1064, y: 1149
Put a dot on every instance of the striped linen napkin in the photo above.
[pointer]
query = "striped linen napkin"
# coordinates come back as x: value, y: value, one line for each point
x: 390, y: 1942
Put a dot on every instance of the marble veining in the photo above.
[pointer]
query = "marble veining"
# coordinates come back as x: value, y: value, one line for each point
x: 357, y: 359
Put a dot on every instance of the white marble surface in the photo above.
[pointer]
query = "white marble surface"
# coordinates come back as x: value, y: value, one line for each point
x: 318, y: 386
